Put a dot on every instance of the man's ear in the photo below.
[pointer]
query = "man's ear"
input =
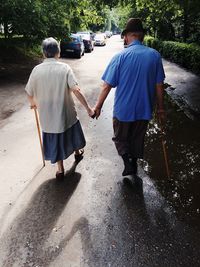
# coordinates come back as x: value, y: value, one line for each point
x: 125, y: 40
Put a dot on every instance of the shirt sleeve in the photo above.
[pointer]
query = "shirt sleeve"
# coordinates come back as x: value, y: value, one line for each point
x: 111, y: 74
x: 30, y: 84
x: 71, y: 79
x: 160, y: 75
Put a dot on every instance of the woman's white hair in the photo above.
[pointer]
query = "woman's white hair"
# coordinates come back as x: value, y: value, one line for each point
x: 50, y: 47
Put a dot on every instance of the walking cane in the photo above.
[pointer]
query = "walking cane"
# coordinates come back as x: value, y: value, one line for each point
x: 39, y: 133
x: 164, y: 149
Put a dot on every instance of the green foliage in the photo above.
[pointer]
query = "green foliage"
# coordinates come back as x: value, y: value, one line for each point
x: 187, y: 55
x: 37, y: 19
x: 18, y: 49
x: 188, y: 24
x: 158, y: 16
x: 34, y: 19
x: 174, y: 20
x: 120, y: 14
x: 169, y: 19
x: 83, y: 14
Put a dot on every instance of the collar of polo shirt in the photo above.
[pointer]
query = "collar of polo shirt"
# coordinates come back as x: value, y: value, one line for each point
x: 135, y: 42
x: 50, y: 59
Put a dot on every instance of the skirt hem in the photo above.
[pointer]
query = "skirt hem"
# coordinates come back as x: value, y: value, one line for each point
x: 64, y: 157
x: 60, y: 146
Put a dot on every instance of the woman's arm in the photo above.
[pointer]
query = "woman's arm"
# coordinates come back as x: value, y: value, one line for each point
x: 31, y: 101
x: 77, y: 92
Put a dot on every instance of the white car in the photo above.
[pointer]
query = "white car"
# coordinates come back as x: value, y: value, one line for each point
x: 108, y: 34
x: 100, y: 40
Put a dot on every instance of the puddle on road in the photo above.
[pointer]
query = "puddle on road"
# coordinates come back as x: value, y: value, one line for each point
x: 182, y: 189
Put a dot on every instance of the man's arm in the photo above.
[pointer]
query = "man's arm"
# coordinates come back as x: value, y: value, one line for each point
x: 77, y: 92
x: 160, y: 101
x: 102, y: 97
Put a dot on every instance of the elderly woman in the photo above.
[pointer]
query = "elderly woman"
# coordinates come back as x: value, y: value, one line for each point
x: 49, y: 88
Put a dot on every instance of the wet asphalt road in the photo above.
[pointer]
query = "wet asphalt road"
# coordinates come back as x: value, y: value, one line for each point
x: 95, y: 219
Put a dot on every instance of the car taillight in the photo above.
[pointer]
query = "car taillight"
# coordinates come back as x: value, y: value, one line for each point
x: 78, y: 45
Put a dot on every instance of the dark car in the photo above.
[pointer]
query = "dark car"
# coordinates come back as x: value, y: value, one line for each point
x: 87, y: 40
x: 72, y: 45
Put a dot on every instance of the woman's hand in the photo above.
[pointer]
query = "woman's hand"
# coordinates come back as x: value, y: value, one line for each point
x: 91, y: 112
x: 32, y: 102
x: 33, y: 106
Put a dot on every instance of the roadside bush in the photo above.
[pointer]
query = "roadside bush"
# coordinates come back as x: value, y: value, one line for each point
x: 186, y: 55
x: 18, y: 49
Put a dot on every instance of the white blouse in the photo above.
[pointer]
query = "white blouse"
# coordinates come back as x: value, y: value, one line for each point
x: 50, y: 83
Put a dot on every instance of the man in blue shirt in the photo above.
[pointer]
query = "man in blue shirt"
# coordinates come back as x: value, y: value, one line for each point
x: 138, y: 75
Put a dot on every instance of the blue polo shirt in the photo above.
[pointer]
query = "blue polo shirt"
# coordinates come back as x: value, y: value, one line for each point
x: 135, y: 72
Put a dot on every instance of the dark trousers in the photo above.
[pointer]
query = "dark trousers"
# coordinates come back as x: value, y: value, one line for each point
x: 129, y: 137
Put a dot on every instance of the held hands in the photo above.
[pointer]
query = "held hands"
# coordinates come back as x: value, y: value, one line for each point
x: 94, y: 112
x: 97, y: 112
x: 91, y: 112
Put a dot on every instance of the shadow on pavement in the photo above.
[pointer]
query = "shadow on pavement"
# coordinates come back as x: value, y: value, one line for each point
x: 25, y: 240
x: 158, y: 238
x: 81, y: 226
x: 139, y: 230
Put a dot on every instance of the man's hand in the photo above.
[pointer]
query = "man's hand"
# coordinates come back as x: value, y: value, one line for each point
x: 91, y: 112
x: 102, y: 97
x: 160, y: 110
x: 97, y: 112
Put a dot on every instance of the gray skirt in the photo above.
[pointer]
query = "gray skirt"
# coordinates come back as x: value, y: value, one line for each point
x: 60, y: 146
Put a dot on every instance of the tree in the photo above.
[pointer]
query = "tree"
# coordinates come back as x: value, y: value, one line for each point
x: 189, y: 19
x: 36, y: 19
x: 82, y: 14
x: 6, y: 14
x: 120, y: 14
x: 159, y: 16
x: 33, y: 19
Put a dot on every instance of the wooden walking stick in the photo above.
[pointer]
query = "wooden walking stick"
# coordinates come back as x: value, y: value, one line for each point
x: 39, y: 133
x: 164, y: 149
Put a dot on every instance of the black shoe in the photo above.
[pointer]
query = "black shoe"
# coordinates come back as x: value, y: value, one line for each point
x: 128, y: 170
x: 128, y: 167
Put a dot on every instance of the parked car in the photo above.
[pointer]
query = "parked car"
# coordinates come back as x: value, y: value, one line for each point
x: 108, y: 34
x: 92, y: 34
x: 116, y: 32
x: 100, y: 39
x: 87, y: 40
x: 72, y: 45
